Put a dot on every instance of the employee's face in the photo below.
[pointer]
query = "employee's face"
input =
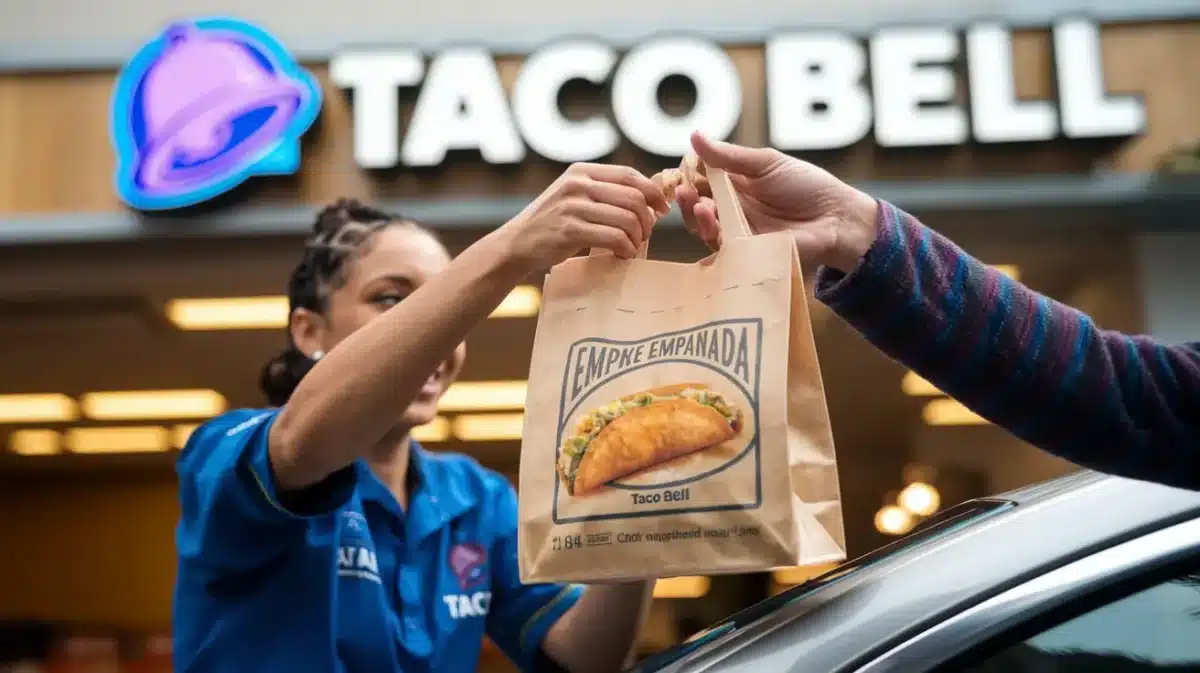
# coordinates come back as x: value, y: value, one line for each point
x: 393, y: 263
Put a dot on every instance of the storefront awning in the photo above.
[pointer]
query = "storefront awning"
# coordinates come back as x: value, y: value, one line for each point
x: 1150, y: 201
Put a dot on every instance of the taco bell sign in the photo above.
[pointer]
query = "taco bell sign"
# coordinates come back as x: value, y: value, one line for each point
x: 203, y: 107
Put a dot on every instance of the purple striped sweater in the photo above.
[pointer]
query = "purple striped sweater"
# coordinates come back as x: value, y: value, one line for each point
x: 1109, y: 401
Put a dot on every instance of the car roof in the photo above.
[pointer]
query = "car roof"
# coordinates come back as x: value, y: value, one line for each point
x: 966, y: 555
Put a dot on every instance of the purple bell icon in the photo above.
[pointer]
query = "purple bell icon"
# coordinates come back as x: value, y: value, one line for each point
x: 208, y: 111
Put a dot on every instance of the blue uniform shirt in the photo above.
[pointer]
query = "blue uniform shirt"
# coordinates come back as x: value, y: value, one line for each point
x: 354, y: 583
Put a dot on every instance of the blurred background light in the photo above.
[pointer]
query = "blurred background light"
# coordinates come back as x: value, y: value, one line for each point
x: 208, y: 314
x: 893, y: 520
x: 152, y: 404
x: 119, y: 439
x: 476, y: 395
x: 488, y: 427
x: 920, y: 498
x: 950, y: 412
x: 37, y: 408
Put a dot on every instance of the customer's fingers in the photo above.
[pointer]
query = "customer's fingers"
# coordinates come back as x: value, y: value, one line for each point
x: 699, y: 215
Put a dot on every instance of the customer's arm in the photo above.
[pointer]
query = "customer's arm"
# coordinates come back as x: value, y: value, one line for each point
x: 1117, y: 403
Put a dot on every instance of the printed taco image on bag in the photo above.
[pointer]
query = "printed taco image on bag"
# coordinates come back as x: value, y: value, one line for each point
x: 675, y: 421
x: 642, y: 432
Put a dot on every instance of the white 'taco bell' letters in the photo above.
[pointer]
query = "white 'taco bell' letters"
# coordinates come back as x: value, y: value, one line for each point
x: 824, y: 90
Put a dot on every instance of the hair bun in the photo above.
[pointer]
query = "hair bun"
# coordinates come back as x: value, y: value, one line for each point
x: 281, y: 374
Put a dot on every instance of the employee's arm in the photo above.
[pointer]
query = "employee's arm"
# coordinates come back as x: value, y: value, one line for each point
x: 1121, y: 404
x: 351, y: 397
x: 598, y: 634
x: 549, y: 628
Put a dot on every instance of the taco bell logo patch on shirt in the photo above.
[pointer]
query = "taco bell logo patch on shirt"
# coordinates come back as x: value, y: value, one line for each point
x: 468, y: 561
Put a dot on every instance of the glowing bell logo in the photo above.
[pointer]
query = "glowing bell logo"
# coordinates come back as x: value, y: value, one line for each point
x: 202, y: 108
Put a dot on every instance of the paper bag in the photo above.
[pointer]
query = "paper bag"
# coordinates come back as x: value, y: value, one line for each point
x: 675, y: 422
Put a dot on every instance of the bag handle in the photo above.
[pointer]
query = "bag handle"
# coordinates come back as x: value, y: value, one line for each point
x: 731, y: 219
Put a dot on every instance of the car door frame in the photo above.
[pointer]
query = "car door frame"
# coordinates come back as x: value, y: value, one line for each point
x: 1038, y: 596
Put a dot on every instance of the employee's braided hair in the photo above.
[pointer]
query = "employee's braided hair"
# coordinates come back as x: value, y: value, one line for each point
x: 339, y: 232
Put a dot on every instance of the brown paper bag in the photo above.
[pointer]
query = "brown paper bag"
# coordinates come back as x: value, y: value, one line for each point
x: 676, y: 422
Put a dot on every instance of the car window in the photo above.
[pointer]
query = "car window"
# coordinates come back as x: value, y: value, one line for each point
x: 1155, y: 628
x: 936, y: 528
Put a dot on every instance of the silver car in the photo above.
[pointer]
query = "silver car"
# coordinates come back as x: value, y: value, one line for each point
x: 1087, y: 574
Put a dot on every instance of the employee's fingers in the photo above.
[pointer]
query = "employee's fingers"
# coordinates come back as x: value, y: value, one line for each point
x: 608, y: 238
x: 614, y: 217
x: 705, y: 213
x: 687, y: 196
x: 626, y: 197
x: 625, y: 175
x: 706, y: 230
x: 695, y: 173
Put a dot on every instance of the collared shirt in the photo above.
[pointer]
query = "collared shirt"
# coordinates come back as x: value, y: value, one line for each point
x: 353, y: 582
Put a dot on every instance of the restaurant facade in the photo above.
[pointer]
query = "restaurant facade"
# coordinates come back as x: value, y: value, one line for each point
x: 144, y: 176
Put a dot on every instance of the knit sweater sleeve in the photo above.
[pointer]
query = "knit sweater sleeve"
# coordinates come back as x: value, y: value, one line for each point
x: 1117, y: 403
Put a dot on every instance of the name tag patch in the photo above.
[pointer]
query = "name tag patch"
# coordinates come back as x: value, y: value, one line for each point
x: 358, y: 562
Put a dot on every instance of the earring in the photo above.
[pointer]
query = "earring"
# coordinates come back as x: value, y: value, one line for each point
x: 317, y: 355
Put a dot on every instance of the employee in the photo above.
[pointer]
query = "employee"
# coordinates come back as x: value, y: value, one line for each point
x: 1113, y: 402
x: 318, y: 536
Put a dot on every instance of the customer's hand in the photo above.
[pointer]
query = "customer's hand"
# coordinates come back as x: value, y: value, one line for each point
x: 831, y: 222
x: 588, y: 206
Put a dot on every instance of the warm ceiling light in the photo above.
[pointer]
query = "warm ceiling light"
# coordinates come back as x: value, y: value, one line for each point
x: 181, y: 433
x: 950, y: 412
x: 1010, y: 270
x: 800, y: 574
x: 488, y: 427
x: 478, y: 395
x: 893, y: 520
x: 437, y: 430
x: 682, y: 587
x: 128, y: 439
x: 152, y: 404
x: 920, y: 498
x: 229, y: 313
x: 37, y: 408
x: 916, y: 386
x: 523, y: 302
x: 207, y: 314
x: 35, y: 442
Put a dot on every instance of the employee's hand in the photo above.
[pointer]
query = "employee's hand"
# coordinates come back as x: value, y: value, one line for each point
x: 588, y: 206
x: 831, y: 222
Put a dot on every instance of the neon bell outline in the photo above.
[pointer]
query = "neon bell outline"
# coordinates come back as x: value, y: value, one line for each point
x: 205, y: 106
